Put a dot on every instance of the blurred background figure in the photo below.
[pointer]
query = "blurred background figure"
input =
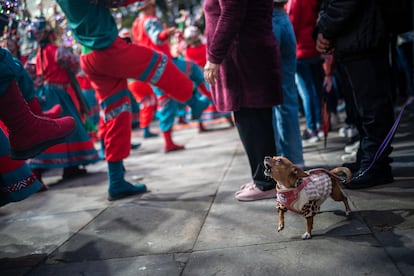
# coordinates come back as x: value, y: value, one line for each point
x: 148, y: 31
x: 23, y: 126
x: 363, y: 54
x: 57, y: 67
x: 309, y: 72
x: 285, y: 116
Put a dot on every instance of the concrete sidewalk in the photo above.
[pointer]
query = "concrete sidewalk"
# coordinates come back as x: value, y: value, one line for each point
x: 191, y: 224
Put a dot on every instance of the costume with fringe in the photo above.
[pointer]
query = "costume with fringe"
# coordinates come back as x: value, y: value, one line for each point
x: 17, y: 181
x: 78, y: 148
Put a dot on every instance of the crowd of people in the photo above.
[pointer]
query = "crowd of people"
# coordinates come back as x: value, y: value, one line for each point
x: 261, y: 63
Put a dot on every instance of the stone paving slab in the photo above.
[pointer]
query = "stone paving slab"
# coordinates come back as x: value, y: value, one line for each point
x: 398, y: 195
x: 360, y: 255
x: 20, y: 265
x: 138, y: 228
x: 60, y: 198
x: 40, y: 234
x: 156, y: 265
x: 399, y: 245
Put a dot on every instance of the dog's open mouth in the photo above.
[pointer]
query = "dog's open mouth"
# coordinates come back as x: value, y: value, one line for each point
x: 268, y: 167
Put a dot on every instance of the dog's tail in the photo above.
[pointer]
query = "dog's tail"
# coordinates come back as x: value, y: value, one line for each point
x: 342, y: 170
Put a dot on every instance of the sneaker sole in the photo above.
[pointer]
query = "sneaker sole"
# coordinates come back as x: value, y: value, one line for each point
x: 349, y: 158
x: 351, y: 148
x: 124, y: 195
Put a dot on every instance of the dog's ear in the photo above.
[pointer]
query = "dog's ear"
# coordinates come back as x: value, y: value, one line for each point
x: 298, y: 171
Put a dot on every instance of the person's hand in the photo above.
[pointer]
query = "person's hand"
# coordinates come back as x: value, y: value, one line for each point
x: 323, y: 45
x: 167, y: 33
x: 211, y: 72
x: 170, y: 31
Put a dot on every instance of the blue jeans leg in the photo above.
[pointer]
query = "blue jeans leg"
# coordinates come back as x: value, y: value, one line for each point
x: 308, y: 86
x: 286, y: 116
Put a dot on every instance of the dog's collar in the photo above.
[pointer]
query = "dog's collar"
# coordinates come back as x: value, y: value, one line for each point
x: 298, y: 182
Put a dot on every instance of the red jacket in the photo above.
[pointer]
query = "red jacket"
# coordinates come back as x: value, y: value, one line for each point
x: 303, y: 15
x: 47, y: 65
x: 198, y: 54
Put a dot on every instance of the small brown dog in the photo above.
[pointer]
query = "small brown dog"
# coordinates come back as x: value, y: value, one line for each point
x: 304, y: 192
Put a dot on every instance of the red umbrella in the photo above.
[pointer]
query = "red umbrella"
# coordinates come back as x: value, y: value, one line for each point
x: 327, y: 88
x: 326, y: 116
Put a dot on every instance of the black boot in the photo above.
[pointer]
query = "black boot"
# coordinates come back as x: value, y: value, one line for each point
x: 374, y: 177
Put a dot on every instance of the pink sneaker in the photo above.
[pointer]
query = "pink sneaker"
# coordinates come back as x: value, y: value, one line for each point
x: 246, y: 186
x: 253, y: 193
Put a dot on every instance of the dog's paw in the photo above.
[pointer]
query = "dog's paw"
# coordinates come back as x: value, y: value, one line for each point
x: 306, y: 236
x: 280, y: 228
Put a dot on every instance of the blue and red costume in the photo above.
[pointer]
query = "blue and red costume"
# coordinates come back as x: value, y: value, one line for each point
x: 144, y: 94
x: 78, y: 148
x: 17, y: 181
x: 148, y: 30
x: 109, y: 61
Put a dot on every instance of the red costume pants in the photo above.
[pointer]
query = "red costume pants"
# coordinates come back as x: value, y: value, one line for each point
x: 144, y: 94
x: 108, y: 70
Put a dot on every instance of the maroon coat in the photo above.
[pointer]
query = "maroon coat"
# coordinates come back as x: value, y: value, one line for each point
x: 240, y: 39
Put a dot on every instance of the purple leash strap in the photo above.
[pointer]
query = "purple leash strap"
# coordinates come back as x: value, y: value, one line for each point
x: 387, y: 139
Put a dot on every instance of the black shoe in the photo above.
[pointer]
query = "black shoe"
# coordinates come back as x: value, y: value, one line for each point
x: 369, y: 179
x: 353, y: 167
x: 73, y: 172
x: 135, y: 146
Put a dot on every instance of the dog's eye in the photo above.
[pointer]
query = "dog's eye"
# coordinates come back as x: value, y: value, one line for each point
x: 279, y: 160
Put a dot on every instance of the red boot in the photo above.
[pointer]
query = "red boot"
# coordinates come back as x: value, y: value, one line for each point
x: 38, y: 174
x: 29, y: 134
x: 52, y: 113
x: 201, y: 127
x: 230, y: 120
x: 181, y: 120
x: 169, y: 144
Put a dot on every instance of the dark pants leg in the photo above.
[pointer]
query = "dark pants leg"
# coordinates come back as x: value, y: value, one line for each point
x: 346, y: 92
x: 256, y: 133
x: 370, y: 83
